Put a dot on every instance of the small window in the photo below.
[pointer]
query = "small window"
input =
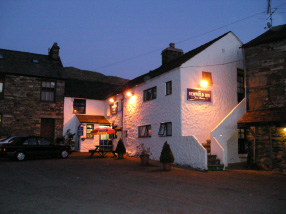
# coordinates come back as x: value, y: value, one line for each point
x: 31, y: 142
x: 150, y: 94
x: 89, y: 128
x: 1, y: 56
x: 48, y: 91
x: 1, y: 87
x: 165, y: 129
x: 144, y: 131
x: 79, y: 106
x: 35, y: 61
x: 208, y: 77
x: 169, y: 88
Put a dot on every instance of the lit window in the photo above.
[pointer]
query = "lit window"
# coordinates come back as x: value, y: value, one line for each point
x: 89, y: 128
x: 144, y: 131
x: 1, y: 86
x: 150, y: 94
x: 169, y: 88
x: 207, y: 76
x: 165, y: 129
x: 48, y: 91
x: 79, y: 106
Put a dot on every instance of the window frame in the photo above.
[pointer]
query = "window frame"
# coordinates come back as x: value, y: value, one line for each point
x: 163, y: 129
x: 208, y: 77
x: 75, y: 111
x: 52, y: 90
x: 169, y: 88
x: 2, y: 80
x: 150, y: 94
x: 147, y: 133
x: 88, y: 135
x: 240, y: 85
x: 1, y: 119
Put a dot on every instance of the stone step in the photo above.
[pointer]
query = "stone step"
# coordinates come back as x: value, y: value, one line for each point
x: 208, y: 141
x: 216, y: 167
x: 214, y: 162
x: 212, y: 157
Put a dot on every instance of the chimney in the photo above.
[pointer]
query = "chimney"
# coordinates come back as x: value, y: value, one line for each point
x: 54, y: 52
x: 171, y: 53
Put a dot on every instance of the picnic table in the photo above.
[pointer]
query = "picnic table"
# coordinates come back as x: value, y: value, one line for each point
x: 102, y: 150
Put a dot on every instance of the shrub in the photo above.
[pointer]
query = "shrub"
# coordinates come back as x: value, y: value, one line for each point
x: 120, y: 149
x: 166, y: 154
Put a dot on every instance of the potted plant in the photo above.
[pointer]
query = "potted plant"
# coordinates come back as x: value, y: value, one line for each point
x: 167, y: 157
x: 143, y: 153
x: 120, y: 149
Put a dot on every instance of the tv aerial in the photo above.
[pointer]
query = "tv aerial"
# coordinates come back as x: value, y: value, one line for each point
x: 270, y: 12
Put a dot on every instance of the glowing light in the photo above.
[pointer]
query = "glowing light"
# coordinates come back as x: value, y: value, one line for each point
x: 204, y: 83
x: 111, y: 100
x: 284, y: 129
x: 129, y: 94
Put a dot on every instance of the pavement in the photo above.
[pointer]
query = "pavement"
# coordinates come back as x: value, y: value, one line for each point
x: 81, y: 184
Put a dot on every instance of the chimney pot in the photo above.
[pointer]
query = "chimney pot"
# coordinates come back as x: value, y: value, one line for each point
x: 54, y: 51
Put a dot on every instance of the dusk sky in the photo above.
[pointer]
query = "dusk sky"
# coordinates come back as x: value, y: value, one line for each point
x: 125, y: 38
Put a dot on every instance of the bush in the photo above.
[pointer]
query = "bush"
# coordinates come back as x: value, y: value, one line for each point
x: 166, y: 154
x: 120, y: 149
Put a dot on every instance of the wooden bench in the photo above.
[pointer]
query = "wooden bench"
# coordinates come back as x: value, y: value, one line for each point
x: 102, y: 150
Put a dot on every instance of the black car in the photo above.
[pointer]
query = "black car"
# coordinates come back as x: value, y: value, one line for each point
x: 22, y: 147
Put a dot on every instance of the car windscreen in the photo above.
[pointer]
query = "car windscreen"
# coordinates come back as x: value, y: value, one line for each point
x: 16, y: 140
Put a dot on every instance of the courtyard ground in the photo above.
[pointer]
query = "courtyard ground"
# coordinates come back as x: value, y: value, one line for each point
x: 80, y: 184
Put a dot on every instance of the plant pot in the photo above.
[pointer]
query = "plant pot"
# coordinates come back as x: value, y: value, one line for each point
x: 144, y: 159
x: 167, y: 166
x: 120, y: 156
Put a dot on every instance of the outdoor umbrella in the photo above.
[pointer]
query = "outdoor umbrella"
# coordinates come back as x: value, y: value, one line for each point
x: 103, y: 130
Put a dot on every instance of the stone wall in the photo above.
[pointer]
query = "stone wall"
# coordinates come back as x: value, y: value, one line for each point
x: 266, y: 75
x: 22, y: 108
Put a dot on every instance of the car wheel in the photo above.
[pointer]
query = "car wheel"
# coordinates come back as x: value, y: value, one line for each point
x: 20, y: 156
x: 64, y: 154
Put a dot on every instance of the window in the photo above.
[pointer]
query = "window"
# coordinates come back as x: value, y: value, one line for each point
x: 242, y: 141
x: 35, y: 61
x: 31, y: 141
x: 1, y: 56
x: 79, y: 106
x: 150, y: 94
x: 169, y: 88
x: 165, y: 129
x: 48, y: 91
x: 144, y: 131
x: 43, y: 142
x: 0, y: 120
x: 208, y: 77
x: 240, y: 85
x: 1, y: 87
x: 89, y: 128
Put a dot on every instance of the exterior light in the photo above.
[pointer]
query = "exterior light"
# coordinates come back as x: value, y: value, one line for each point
x: 111, y: 100
x: 129, y: 94
x: 284, y: 129
x: 204, y: 83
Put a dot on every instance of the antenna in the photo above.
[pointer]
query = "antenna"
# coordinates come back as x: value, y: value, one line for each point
x: 269, y: 24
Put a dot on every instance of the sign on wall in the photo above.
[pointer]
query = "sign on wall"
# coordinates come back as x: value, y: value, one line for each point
x: 114, y: 108
x: 198, y: 95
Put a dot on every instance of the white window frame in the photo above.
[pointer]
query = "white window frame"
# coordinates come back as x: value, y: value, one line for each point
x: 165, y: 129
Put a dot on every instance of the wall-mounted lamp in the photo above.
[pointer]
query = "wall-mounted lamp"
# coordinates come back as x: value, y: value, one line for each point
x: 111, y: 100
x: 204, y: 83
x: 284, y: 129
x: 129, y: 94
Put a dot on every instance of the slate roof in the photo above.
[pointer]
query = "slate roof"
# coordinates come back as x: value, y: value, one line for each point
x: 89, y: 89
x: 169, y: 66
x: 273, y: 34
x: 270, y: 116
x: 92, y: 119
x: 20, y: 63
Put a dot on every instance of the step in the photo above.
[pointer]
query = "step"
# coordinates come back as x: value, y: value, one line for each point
x: 212, y: 157
x: 206, y: 145
x: 214, y: 162
x: 208, y: 141
x: 216, y: 167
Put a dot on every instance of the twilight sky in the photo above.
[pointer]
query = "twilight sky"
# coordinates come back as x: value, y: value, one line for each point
x: 125, y: 38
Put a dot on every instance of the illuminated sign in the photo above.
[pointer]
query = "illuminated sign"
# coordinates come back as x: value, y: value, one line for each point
x: 113, y: 108
x: 198, y: 95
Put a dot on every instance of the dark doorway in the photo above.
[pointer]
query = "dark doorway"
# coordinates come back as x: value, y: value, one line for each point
x: 48, y: 128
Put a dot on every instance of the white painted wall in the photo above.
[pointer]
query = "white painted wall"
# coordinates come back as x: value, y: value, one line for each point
x: 199, y: 118
x: 93, y: 107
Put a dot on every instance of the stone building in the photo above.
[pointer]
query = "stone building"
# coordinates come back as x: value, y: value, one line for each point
x: 31, y: 93
x: 262, y: 128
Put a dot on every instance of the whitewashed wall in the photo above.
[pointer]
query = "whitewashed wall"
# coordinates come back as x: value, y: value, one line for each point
x: 199, y: 118
x: 93, y: 107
